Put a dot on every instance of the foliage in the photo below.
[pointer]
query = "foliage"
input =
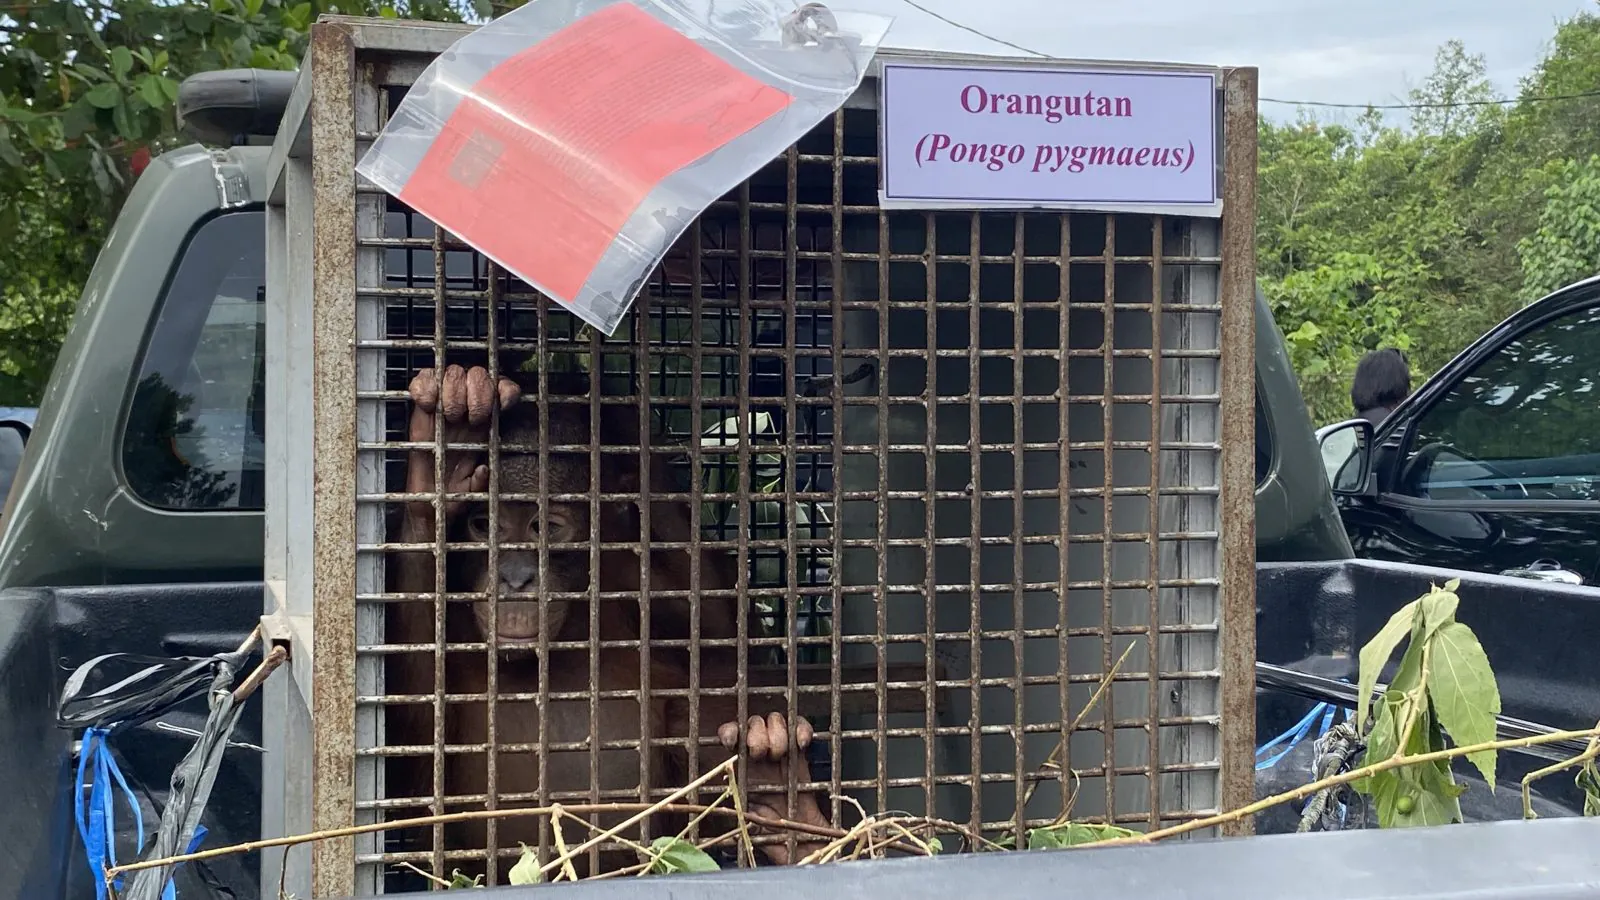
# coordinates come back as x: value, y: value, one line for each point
x: 1566, y: 246
x: 1588, y: 781
x: 1443, y: 686
x: 527, y: 870
x: 1424, y: 234
x: 1074, y: 834
x: 672, y: 855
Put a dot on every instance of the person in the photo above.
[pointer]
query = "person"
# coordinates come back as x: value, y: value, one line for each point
x: 1382, y: 381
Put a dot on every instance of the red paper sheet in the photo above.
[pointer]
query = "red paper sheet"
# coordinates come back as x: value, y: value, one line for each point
x: 556, y: 147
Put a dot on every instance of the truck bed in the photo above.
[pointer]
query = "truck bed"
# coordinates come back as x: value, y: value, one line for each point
x: 44, y: 635
x: 1310, y: 616
x: 1539, y: 636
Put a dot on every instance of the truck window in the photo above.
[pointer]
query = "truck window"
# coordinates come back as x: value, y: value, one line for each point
x: 1524, y: 424
x: 11, y: 445
x: 193, y: 439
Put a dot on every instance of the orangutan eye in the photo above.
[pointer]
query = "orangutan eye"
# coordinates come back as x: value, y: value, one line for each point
x: 478, y: 525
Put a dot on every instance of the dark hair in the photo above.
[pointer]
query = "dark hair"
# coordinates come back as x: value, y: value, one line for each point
x: 1382, y: 379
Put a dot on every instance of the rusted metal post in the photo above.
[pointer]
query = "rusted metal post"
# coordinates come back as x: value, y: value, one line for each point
x: 333, y: 262
x: 1237, y: 474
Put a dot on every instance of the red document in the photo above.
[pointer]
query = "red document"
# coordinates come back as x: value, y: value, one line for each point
x: 543, y: 162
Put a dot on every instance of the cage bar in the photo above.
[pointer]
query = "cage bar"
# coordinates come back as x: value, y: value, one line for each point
x: 961, y: 463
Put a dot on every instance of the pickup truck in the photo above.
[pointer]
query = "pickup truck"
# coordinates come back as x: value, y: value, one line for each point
x: 135, y: 522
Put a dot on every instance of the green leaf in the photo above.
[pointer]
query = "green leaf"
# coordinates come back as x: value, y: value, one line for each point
x: 1424, y: 794
x: 77, y: 121
x: 18, y: 114
x: 8, y: 150
x: 252, y: 8
x: 1438, y: 610
x: 388, y: 12
x: 1383, y: 740
x: 197, y: 21
x: 168, y: 87
x: 121, y: 61
x: 1426, y: 807
x: 159, y: 64
x: 104, y: 96
x: 673, y: 855
x: 150, y: 90
x: 459, y: 881
x: 1588, y: 780
x: 526, y: 871
x: 122, y: 118
x: 1464, y: 693
x: 1073, y: 834
x: 88, y: 72
x: 484, y: 9
x: 1377, y: 652
x: 298, y: 17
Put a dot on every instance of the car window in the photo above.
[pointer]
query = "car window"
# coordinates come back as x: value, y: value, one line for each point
x: 1524, y: 424
x: 194, y: 433
x: 11, y: 445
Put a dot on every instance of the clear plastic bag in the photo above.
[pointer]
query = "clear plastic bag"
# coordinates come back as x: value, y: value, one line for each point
x: 573, y: 141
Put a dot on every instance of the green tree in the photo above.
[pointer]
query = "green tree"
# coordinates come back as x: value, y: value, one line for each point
x: 1424, y: 235
x: 1566, y: 246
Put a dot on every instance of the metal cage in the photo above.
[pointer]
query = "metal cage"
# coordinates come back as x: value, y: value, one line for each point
x: 965, y: 463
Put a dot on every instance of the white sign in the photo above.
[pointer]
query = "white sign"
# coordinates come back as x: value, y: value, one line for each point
x: 1047, y: 138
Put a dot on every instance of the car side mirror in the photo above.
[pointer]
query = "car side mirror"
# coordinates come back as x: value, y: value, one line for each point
x: 1347, y: 456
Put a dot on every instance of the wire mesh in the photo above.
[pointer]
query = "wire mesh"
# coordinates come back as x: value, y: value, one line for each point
x: 963, y: 466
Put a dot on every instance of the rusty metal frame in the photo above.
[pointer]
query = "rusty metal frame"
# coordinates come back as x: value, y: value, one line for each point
x: 1196, y: 683
x: 1238, y: 431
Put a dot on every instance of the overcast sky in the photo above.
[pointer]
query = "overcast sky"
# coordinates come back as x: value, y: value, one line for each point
x: 1348, y: 51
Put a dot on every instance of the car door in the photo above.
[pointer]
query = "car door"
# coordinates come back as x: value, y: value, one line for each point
x: 1495, y: 463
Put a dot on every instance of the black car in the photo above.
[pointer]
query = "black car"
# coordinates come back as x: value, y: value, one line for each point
x: 1493, y: 465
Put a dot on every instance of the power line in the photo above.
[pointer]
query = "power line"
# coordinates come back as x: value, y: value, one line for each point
x: 1441, y: 105
x: 1317, y: 103
x: 970, y: 30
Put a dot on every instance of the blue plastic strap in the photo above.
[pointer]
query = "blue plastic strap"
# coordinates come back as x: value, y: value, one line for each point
x: 1294, y: 736
x: 96, y: 812
x: 169, y: 891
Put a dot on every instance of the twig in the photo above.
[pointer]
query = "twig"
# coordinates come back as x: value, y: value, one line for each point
x: 725, y: 768
x: 746, y: 846
x: 1590, y: 752
x: 927, y: 849
x: 1393, y: 762
x: 1419, y: 700
x: 250, y: 640
x: 1051, y: 760
x: 635, y: 845
x: 561, y: 845
x: 270, y: 664
x: 469, y: 816
x: 830, y: 850
x: 426, y: 874
x: 651, y: 856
